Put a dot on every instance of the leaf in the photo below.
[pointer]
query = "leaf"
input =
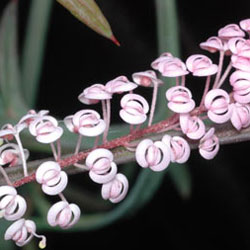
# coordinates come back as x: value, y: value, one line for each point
x: 88, y: 12
x: 5, y: 244
x: 9, y: 67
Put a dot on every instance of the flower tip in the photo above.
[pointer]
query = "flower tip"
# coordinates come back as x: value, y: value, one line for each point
x: 115, y: 41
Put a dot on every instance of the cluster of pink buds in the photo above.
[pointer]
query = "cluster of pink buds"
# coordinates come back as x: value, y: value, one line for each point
x: 188, y: 119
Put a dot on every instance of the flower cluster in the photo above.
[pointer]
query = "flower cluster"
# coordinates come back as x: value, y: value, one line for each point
x: 216, y: 105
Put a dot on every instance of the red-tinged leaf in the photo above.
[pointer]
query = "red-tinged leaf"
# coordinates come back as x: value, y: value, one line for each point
x: 88, y: 12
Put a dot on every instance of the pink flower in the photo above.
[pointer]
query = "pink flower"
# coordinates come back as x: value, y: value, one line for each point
x: 8, y: 131
x: 52, y: 178
x: 240, y: 116
x: 12, y: 205
x: 22, y: 231
x: 163, y: 57
x: 209, y: 145
x: 239, y: 46
x: 116, y: 189
x: 45, y: 129
x: 10, y: 154
x: 85, y: 122
x: 201, y: 65
x: 240, y: 81
x: 179, y: 148
x: 245, y: 25
x: 192, y: 126
x: 31, y: 115
x: 146, y: 78
x: 119, y: 85
x: 153, y: 155
x: 241, y: 63
x: 180, y: 99
x: 230, y: 31
x: 94, y: 94
x: 101, y: 167
x: 134, y: 109
x: 63, y: 214
x: 213, y: 44
x: 217, y: 102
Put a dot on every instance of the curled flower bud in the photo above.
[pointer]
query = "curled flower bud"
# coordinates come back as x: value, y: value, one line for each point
x: 241, y: 63
x: 63, y: 214
x: 217, y: 102
x: 147, y: 78
x: 163, y: 57
x: 192, y: 126
x: 153, y: 155
x: 230, y: 31
x: 180, y: 99
x: 22, y: 231
x: 102, y: 169
x: 94, y: 94
x: 51, y: 177
x: 116, y: 189
x: 201, y: 65
x: 245, y: 25
x: 12, y: 205
x: 32, y: 115
x: 45, y: 129
x: 179, y: 148
x: 85, y: 122
x: 10, y: 154
x: 213, y: 44
x: 239, y: 46
x: 240, y: 116
x: 134, y: 109
x: 209, y: 145
x: 119, y: 85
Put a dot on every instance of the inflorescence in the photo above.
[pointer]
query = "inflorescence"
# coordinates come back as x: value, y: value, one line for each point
x: 216, y: 105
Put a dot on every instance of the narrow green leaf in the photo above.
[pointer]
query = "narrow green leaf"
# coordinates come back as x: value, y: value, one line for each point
x: 88, y: 12
x: 5, y: 244
x: 33, y: 50
x: 9, y: 67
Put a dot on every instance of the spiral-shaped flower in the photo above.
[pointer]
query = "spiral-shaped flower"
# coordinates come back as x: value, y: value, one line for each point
x: 52, y: 178
x: 179, y: 148
x: 230, y: 31
x: 209, y: 145
x: 22, y: 231
x: 116, y: 189
x: 163, y: 57
x: 239, y: 46
x: 201, y: 65
x: 213, y: 44
x: 245, y: 25
x: 85, y: 122
x: 241, y: 63
x: 134, y: 109
x: 12, y: 205
x: 45, y: 129
x: 153, y: 155
x: 10, y: 154
x: 101, y: 167
x: 240, y: 115
x: 217, y: 102
x: 192, y: 126
x: 32, y: 115
x: 146, y: 78
x: 180, y: 99
x: 63, y: 214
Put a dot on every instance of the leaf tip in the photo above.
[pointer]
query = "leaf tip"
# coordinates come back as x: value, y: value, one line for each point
x: 115, y: 41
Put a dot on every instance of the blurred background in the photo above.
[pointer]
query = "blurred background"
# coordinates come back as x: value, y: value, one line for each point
x: 216, y: 215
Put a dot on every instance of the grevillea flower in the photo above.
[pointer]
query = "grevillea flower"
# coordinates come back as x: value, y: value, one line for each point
x: 94, y: 94
x: 192, y: 126
x: 245, y: 25
x: 101, y: 167
x: 22, y: 231
x: 12, y: 205
x: 146, y: 78
x: 45, y: 129
x: 230, y: 31
x: 153, y: 155
x: 240, y: 81
x: 213, y: 44
x: 119, y: 85
x: 239, y: 46
x: 240, y: 115
x: 8, y: 131
x: 116, y: 189
x: 209, y: 145
x: 134, y: 109
x: 180, y: 99
x: 201, y: 65
x: 31, y: 115
x: 179, y: 148
x: 10, y: 154
x: 241, y: 63
x: 52, y: 178
x: 85, y: 122
x: 163, y: 57
x: 63, y: 214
